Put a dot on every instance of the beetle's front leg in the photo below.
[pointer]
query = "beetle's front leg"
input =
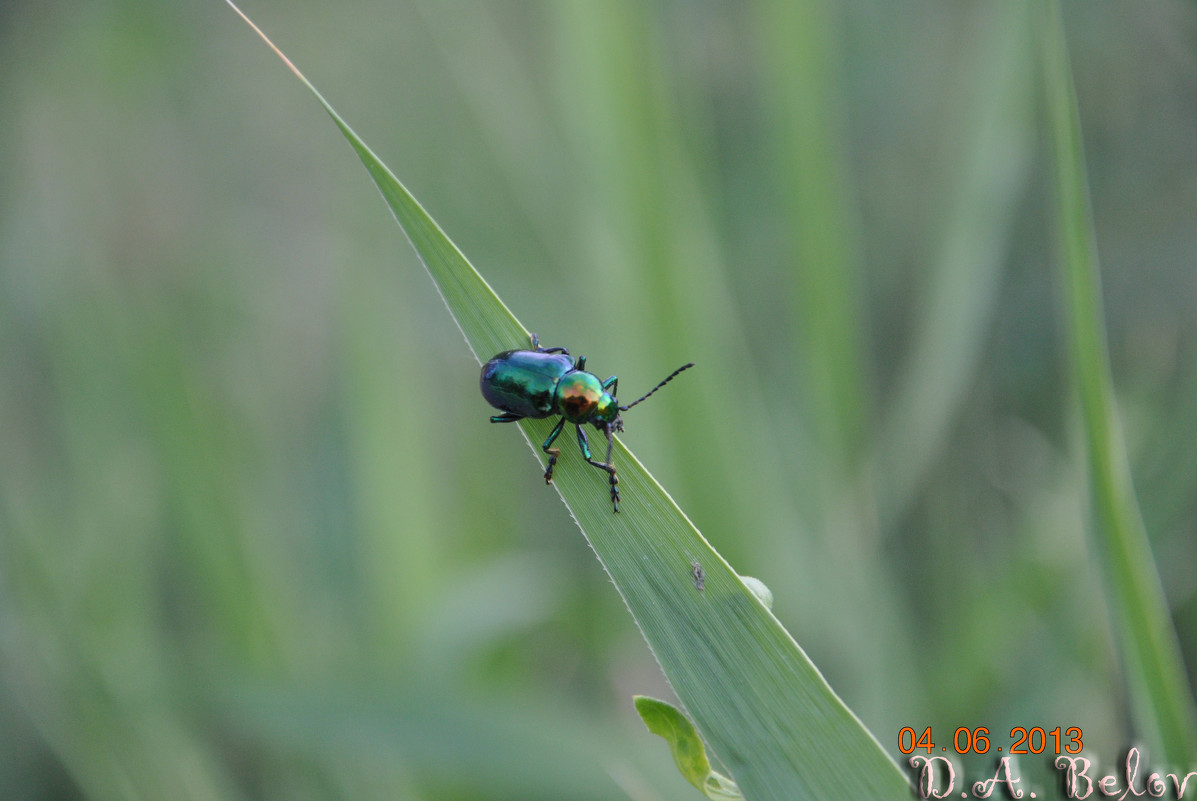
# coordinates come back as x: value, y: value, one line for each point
x: 551, y: 451
x: 613, y: 478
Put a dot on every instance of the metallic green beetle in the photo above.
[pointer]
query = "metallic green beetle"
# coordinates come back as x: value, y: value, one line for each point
x: 543, y: 382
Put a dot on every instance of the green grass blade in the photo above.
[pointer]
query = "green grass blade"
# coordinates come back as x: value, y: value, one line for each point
x: 1161, y: 701
x: 488, y: 325
x: 761, y: 705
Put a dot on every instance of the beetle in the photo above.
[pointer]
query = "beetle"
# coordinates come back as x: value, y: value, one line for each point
x: 543, y: 382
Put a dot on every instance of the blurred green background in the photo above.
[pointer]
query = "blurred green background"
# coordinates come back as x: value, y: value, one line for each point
x: 257, y: 537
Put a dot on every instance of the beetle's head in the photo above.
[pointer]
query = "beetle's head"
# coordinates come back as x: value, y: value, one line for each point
x: 606, y: 413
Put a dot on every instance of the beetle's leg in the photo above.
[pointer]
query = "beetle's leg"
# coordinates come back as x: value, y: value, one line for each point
x: 584, y: 444
x: 536, y: 347
x: 506, y: 417
x: 551, y: 451
x: 581, y: 364
x: 614, y: 478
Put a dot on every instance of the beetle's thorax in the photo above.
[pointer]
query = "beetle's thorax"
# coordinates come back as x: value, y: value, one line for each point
x: 579, y: 395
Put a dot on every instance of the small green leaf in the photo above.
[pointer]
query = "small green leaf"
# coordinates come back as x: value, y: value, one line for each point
x: 689, y: 754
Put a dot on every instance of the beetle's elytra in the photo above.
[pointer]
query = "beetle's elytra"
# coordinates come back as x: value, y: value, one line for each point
x: 543, y: 382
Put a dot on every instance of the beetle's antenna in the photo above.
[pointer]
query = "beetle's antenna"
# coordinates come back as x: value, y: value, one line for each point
x: 668, y: 378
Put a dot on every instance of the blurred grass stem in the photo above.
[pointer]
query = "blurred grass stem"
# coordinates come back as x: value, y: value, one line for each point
x: 1160, y: 699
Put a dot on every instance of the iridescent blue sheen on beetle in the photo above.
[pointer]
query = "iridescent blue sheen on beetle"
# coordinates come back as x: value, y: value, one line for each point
x: 543, y: 382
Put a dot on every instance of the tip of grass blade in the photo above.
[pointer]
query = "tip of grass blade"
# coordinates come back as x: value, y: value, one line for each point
x: 269, y: 43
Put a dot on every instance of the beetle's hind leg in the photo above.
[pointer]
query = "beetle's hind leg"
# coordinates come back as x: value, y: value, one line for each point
x: 536, y: 347
x: 553, y: 453
x: 506, y: 417
x: 584, y: 444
